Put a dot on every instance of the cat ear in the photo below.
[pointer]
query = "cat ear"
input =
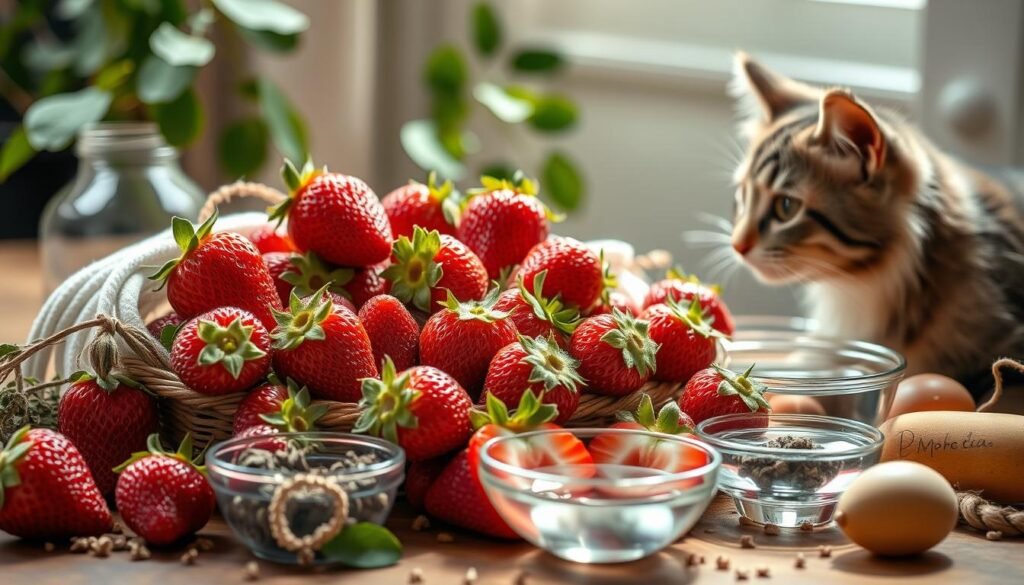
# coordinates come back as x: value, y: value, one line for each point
x: 763, y: 95
x: 845, y: 123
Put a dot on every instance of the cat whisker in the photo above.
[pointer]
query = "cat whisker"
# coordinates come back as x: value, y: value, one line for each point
x: 705, y: 238
x: 722, y: 223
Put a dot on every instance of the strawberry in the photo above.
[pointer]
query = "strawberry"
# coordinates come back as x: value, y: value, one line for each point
x: 277, y: 264
x: 430, y: 264
x: 164, y: 497
x: 420, y: 476
x: 534, y: 314
x: 46, y: 490
x: 429, y: 206
x: 575, y: 272
x: 392, y: 331
x: 643, y: 451
x: 309, y: 273
x: 269, y: 239
x: 423, y: 410
x: 338, y: 300
x: 535, y: 365
x: 271, y: 443
x: 367, y: 283
x: 502, y: 221
x: 107, y: 419
x: 217, y: 270
x: 462, y: 338
x: 337, y: 216
x: 286, y: 410
x: 688, y: 343
x: 615, y: 300
x: 458, y: 498
x: 264, y: 399
x: 156, y: 326
x: 683, y: 289
x: 616, y: 354
x: 225, y: 350
x: 716, y: 391
x: 324, y: 346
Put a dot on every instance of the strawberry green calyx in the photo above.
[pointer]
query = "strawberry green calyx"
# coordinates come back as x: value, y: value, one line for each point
x: 155, y: 449
x: 230, y: 346
x: 107, y: 384
x: 309, y: 273
x: 188, y: 237
x: 552, y: 365
x: 295, y: 180
x: 749, y: 390
x: 631, y: 335
x: 609, y: 281
x: 297, y: 413
x: 16, y: 448
x: 386, y: 404
x: 520, y: 184
x: 694, y: 317
x: 414, y: 272
x: 669, y: 419
x: 446, y: 195
x: 563, y: 318
x: 677, y: 273
x: 530, y: 414
x: 482, y: 310
x: 303, y: 320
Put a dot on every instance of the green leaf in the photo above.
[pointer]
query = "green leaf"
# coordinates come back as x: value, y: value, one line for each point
x: 446, y: 70
x: 537, y: 60
x: 364, y: 546
x: 113, y: 75
x: 180, y: 121
x: 159, y: 83
x: 264, y: 15
x: 52, y: 122
x: 287, y: 129
x: 178, y: 48
x: 270, y: 41
x: 553, y: 113
x: 421, y: 143
x: 92, y: 42
x: 562, y: 181
x: 16, y: 152
x: 71, y: 9
x: 486, y: 29
x: 242, y: 149
x: 505, y: 107
x: 499, y: 170
x: 46, y: 55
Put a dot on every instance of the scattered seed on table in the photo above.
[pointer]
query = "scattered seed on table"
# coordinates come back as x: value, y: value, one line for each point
x: 252, y: 571
x: 471, y: 576
x: 190, y: 556
x: 744, y: 521
x: 101, y: 547
x: 747, y: 541
x: 742, y: 574
x: 120, y: 542
x: 445, y: 537
x: 420, y: 523
x: 691, y: 560
x: 118, y: 528
x: 772, y: 529
x: 824, y: 551
x: 79, y: 545
x: 800, y: 561
x: 138, y: 551
x: 763, y: 572
x: 49, y: 547
x: 994, y: 535
x: 806, y: 526
x: 722, y: 563
x: 416, y: 575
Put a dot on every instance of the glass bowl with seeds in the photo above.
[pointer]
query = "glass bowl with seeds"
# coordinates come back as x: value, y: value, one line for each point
x: 273, y: 490
x: 789, y: 469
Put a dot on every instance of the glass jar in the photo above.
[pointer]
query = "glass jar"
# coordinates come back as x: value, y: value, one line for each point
x: 128, y: 186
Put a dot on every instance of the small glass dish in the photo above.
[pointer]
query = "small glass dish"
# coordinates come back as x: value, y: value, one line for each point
x: 602, y: 513
x: 369, y: 470
x: 795, y: 484
x: 807, y: 373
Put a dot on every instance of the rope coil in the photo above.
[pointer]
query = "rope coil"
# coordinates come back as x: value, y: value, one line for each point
x: 306, y: 546
x: 983, y: 515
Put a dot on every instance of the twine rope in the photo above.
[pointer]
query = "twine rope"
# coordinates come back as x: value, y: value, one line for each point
x: 997, y: 375
x: 983, y: 515
x: 307, y: 545
x: 239, y: 189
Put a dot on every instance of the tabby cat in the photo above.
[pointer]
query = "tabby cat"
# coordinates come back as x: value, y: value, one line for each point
x: 895, y: 241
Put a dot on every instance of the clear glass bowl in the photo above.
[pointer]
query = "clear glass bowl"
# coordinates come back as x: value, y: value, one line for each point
x: 787, y: 486
x: 603, y: 513
x: 244, y: 493
x: 832, y: 377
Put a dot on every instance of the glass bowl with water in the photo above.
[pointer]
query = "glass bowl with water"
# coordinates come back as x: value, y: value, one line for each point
x: 808, y: 373
x: 368, y: 469
x: 789, y: 469
x: 600, y: 513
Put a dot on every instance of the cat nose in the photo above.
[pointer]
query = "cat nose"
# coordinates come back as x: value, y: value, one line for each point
x: 742, y: 245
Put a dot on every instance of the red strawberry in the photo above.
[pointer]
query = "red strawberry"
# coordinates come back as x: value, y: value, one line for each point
x: 225, y: 350
x: 271, y: 443
x: 308, y: 273
x: 277, y: 264
x: 269, y: 239
x: 462, y: 338
x: 423, y: 410
x: 429, y: 206
x: 164, y: 497
x: 271, y: 405
x: 337, y: 216
x: 338, y: 300
x: 535, y: 365
x: 263, y: 399
x: 685, y: 288
x: 574, y: 271
x: 392, y: 331
x: 419, y: 477
x: 156, y: 326
x: 107, y: 420
x: 502, y: 221
x: 430, y: 264
x: 615, y: 352
x: 368, y: 283
x: 716, y: 391
x: 616, y: 300
x: 324, y: 346
x: 688, y: 343
x: 217, y: 270
x: 46, y: 490
x: 458, y: 498
x: 534, y: 314
x: 643, y: 451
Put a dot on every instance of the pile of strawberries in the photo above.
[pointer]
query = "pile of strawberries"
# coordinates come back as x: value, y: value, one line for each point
x: 417, y: 307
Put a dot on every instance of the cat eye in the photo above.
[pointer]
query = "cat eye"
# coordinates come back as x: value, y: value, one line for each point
x: 785, y: 208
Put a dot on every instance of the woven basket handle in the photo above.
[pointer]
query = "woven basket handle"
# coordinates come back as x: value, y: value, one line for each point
x: 239, y: 189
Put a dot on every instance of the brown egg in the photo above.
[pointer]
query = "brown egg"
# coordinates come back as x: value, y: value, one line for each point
x: 898, y: 508
x: 795, y: 404
x: 930, y: 392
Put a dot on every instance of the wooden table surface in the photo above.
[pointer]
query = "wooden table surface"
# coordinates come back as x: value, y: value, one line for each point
x: 964, y: 557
